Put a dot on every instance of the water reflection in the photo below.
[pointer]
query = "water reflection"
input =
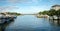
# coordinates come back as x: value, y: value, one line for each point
x: 31, y: 23
x: 55, y: 22
x: 52, y: 22
x: 4, y: 25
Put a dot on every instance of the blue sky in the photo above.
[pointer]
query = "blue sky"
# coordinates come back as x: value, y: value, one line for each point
x: 26, y: 6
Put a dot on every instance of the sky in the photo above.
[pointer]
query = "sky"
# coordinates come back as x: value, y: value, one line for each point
x: 26, y: 6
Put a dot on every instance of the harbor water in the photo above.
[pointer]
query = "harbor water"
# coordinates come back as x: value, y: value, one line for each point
x: 30, y: 23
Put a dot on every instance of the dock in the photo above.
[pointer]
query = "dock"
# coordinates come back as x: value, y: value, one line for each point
x: 42, y: 16
x: 6, y: 18
x: 55, y: 19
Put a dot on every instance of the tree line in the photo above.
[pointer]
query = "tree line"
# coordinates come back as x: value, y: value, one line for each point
x: 10, y: 13
x: 51, y: 12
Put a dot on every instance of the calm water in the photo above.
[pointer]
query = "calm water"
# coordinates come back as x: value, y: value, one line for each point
x: 31, y: 23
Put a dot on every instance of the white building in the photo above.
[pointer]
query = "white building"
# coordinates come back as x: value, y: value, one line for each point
x: 56, y: 7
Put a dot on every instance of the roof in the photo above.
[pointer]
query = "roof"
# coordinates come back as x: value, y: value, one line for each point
x: 56, y: 5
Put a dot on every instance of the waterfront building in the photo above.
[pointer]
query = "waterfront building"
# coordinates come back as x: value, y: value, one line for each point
x: 56, y: 7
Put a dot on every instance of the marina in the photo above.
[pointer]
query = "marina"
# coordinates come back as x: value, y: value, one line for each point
x: 29, y: 15
x: 4, y: 19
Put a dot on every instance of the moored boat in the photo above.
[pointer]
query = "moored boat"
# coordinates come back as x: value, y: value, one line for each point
x: 4, y: 19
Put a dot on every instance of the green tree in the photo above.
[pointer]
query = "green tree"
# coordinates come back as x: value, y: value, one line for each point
x: 58, y: 12
x: 44, y: 12
x: 51, y: 12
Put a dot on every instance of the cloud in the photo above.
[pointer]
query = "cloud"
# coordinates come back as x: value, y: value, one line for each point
x: 1, y: 9
x: 7, y: 8
x: 23, y: 1
x: 29, y: 9
x: 51, y: 0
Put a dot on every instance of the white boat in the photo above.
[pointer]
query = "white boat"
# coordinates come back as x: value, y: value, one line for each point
x: 4, y: 19
x: 55, y: 17
x: 50, y: 17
